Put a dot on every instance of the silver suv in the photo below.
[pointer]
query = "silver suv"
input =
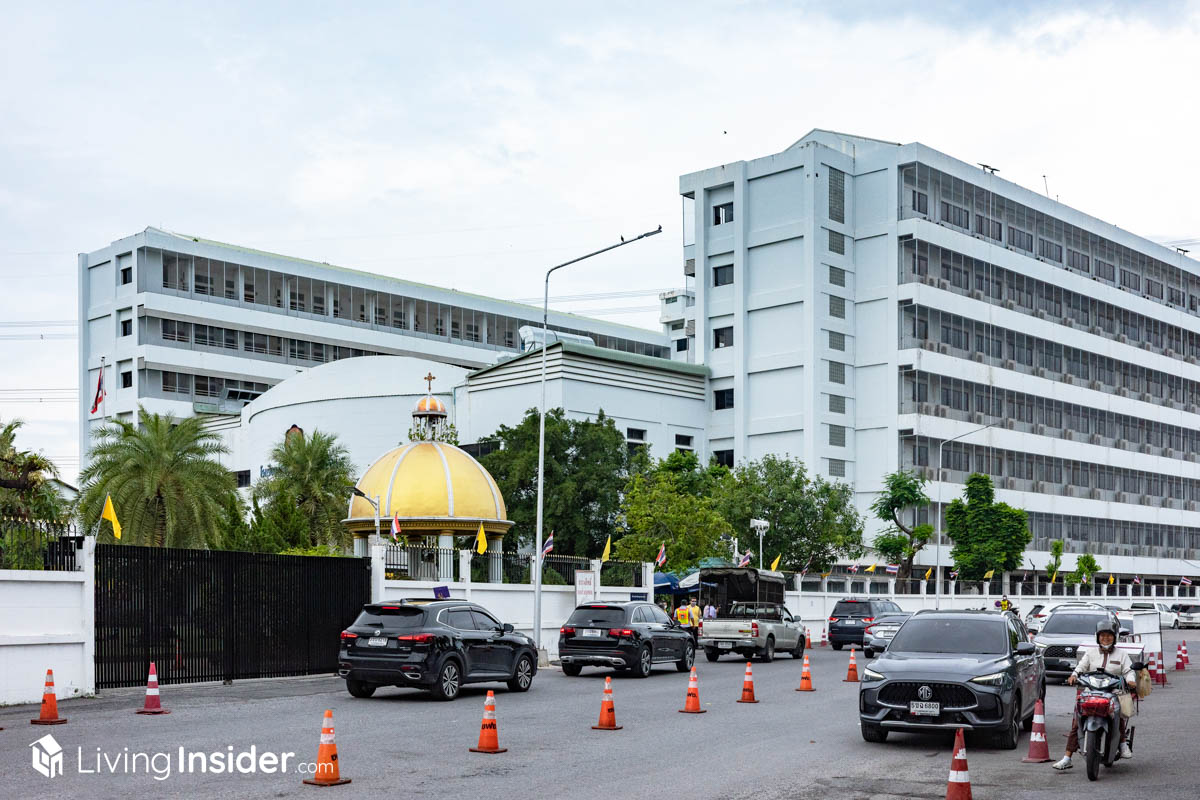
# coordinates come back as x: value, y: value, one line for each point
x: 1065, y: 632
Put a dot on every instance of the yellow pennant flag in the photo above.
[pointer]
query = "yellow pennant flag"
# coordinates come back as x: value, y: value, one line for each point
x: 775, y: 563
x: 607, y: 549
x: 870, y: 568
x: 480, y: 541
x: 1111, y: 578
x: 826, y: 574
x: 928, y: 572
x: 1053, y: 575
x: 109, y: 513
x: 988, y: 575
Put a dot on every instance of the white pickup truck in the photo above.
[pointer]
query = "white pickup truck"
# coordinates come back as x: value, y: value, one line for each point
x: 753, y: 629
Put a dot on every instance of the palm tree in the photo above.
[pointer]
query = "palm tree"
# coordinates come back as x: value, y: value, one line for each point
x: 25, y: 480
x: 167, y: 487
x: 314, y: 473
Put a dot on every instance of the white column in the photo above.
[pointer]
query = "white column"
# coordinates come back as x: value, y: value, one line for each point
x: 495, y: 559
x: 89, y: 615
x: 445, y: 558
x: 464, y: 569
x: 378, y: 566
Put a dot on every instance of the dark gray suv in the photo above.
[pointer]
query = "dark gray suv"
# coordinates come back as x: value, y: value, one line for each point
x: 946, y: 670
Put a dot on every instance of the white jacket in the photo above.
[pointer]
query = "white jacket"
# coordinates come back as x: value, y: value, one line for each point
x: 1118, y: 663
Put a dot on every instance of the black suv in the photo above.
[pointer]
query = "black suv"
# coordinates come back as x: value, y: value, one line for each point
x: 851, y: 615
x: 437, y: 645
x: 945, y: 670
x: 633, y: 636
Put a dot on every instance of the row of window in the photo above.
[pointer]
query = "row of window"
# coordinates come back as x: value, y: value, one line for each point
x: 260, y: 343
x: 256, y: 286
x: 208, y: 386
x: 1025, y: 411
x: 996, y: 285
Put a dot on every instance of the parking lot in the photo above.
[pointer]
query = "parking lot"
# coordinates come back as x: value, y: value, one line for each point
x: 401, y: 742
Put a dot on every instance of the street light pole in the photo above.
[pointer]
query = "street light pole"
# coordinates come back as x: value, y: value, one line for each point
x: 762, y: 526
x: 937, y: 542
x: 537, y: 552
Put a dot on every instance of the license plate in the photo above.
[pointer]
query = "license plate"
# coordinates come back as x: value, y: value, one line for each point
x: 724, y: 645
x: 594, y: 632
x: 851, y: 622
x: 377, y: 641
x: 924, y: 709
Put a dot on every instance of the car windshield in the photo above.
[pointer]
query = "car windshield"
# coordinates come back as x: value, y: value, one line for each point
x: 846, y: 608
x: 976, y: 636
x: 391, y: 617
x: 1072, y: 623
x: 1189, y: 609
x: 597, y: 615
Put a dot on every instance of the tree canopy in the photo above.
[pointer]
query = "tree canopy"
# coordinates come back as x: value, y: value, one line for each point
x: 313, y: 473
x: 899, y: 543
x: 26, y: 480
x: 986, y: 534
x: 656, y: 512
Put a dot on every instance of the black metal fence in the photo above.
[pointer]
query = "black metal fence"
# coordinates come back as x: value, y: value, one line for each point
x: 621, y: 573
x: 210, y: 615
x: 419, y: 563
x: 39, y: 545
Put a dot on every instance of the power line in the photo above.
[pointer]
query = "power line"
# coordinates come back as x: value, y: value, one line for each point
x: 38, y: 323
x: 562, y: 298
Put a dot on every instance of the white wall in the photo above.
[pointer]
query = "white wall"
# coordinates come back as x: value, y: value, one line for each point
x: 47, y: 621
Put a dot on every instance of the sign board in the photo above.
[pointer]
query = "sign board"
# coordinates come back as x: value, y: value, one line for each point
x: 441, y: 592
x: 585, y: 586
x: 638, y: 596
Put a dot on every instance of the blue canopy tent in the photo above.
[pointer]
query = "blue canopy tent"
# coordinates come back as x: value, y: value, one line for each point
x: 665, y: 583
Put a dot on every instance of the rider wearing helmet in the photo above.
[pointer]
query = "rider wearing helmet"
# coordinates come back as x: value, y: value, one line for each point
x: 1105, y: 657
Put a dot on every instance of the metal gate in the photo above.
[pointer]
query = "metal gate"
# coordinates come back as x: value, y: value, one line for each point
x: 214, y: 615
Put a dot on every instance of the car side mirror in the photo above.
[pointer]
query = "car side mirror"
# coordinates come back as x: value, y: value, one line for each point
x: 1026, y: 648
x: 507, y: 627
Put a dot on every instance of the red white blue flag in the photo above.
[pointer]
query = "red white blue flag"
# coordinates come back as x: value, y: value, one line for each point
x: 99, y: 392
x: 745, y: 559
x: 548, y: 546
x: 854, y: 568
x: 1185, y: 581
x: 1136, y: 580
x: 396, y: 528
x: 662, y: 555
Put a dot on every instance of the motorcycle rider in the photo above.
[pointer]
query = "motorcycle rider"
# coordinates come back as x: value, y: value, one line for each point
x: 1105, y: 657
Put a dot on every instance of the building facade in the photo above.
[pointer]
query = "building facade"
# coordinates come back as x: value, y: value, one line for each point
x: 866, y: 305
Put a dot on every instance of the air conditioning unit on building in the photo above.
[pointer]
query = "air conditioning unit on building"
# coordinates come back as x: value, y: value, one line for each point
x: 1009, y: 423
x: 1010, y: 483
x: 1121, y: 498
x: 1190, y: 359
x: 927, y: 473
x: 1169, y: 353
x: 1122, y: 391
x: 925, y: 408
x: 941, y: 411
x: 1039, y: 371
x: 1096, y: 329
x: 1169, y: 452
x: 1039, y: 487
x: 1010, y: 305
x: 1167, y: 502
x: 1145, y: 499
x: 976, y: 294
x: 1094, y: 385
x: 1095, y: 438
x: 1094, y: 494
x: 1069, y: 378
x: 944, y: 349
x: 1192, y: 409
x: 1145, y: 448
x: 977, y: 418
x: 944, y: 285
x: 1039, y: 430
x: 1070, y: 323
x: 978, y: 357
x: 1069, y: 434
x: 1039, y: 314
x: 1146, y: 397
x: 1192, y: 505
x: 1122, y: 338
x: 1119, y: 443
x: 689, y: 267
x: 1010, y: 364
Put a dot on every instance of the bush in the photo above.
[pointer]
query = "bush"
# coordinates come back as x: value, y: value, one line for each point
x: 21, y: 548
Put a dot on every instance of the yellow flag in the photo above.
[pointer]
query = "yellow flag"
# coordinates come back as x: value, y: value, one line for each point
x: 870, y: 568
x: 988, y: 575
x: 1053, y: 575
x: 607, y: 549
x: 775, y: 563
x: 1110, y: 580
x: 826, y: 574
x: 480, y: 541
x: 109, y: 513
x: 928, y: 572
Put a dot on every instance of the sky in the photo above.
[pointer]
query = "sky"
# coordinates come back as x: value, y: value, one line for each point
x: 473, y: 145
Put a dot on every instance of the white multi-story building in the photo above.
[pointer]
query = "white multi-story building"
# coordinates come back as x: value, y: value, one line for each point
x: 184, y: 325
x: 859, y: 303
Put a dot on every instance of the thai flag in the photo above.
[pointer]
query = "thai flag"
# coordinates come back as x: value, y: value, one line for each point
x: 892, y: 569
x: 396, y: 528
x: 549, y: 545
x: 954, y: 574
x: 662, y: 555
x: 1185, y: 582
x: 1136, y: 580
x: 854, y: 568
x: 745, y: 559
x: 99, y: 392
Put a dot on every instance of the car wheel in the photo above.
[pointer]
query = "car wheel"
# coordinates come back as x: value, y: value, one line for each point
x: 359, y: 688
x: 798, y: 650
x: 522, y: 677
x: 873, y: 733
x: 645, y: 659
x: 769, y: 651
x: 449, y: 681
x: 571, y: 670
x: 710, y: 654
x: 868, y: 652
x: 836, y: 645
x: 1007, y: 739
x: 689, y: 657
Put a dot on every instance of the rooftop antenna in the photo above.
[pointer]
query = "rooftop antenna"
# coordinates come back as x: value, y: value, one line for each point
x: 1047, y: 185
x: 988, y: 168
x: 1182, y: 251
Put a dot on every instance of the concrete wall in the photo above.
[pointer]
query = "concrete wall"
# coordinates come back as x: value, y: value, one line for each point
x: 47, y: 621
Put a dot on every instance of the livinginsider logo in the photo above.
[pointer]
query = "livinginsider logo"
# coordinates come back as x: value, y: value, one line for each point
x: 47, y: 756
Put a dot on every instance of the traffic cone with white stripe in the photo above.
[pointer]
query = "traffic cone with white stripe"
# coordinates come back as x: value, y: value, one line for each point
x: 153, y: 703
x: 748, y: 686
x: 958, y: 787
x: 1179, y: 658
x: 49, y: 714
x: 489, y: 731
x: 807, y: 639
x: 1161, y: 663
x: 692, y: 704
x: 1186, y: 661
x: 1039, y: 748
x: 327, y: 773
x: 806, y: 677
x: 824, y: 639
x: 1152, y: 668
x: 608, y: 713
x: 851, y: 669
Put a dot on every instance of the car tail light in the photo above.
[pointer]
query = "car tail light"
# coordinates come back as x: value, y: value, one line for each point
x: 754, y: 629
x: 700, y: 628
x: 620, y: 632
x: 416, y: 637
x: 868, y: 628
x: 833, y: 619
x: 868, y: 619
x: 566, y: 630
x: 348, y: 635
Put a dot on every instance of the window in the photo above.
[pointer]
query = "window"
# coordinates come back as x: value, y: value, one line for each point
x: 837, y: 243
x: 837, y: 404
x: 837, y: 307
x: 126, y: 275
x: 837, y: 435
x: 920, y: 264
x: 635, y: 434
x: 722, y: 337
x: 837, y: 468
x: 672, y: 299
x: 723, y: 458
x: 837, y: 372
x: 1050, y: 250
x: 176, y: 382
x: 1131, y: 280
x: 243, y: 478
x: 175, y: 331
x: 837, y: 276
x: 722, y: 275
x: 1019, y: 238
x: 126, y: 327
x: 1106, y: 270
x: 837, y: 341
x: 681, y: 345
x: 127, y: 380
x: 955, y: 215
x: 1077, y: 260
x: 683, y: 442
x: 920, y: 202
x: 837, y: 195
x: 722, y: 398
x: 722, y: 213
x: 208, y: 387
x: 1154, y: 288
x: 677, y: 326
x: 988, y: 227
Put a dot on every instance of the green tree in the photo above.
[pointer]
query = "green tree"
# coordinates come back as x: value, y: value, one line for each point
x: 900, y: 543
x: 167, y: 487
x: 26, y: 480
x: 1085, y: 568
x: 655, y: 512
x: 813, y: 521
x: 312, y: 473
x: 1056, y: 554
x: 587, y: 464
x: 986, y: 534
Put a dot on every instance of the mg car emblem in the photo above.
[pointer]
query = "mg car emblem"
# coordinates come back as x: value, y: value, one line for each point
x: 925, y: 693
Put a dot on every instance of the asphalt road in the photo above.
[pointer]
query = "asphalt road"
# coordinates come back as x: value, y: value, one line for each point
x: 403, y: 743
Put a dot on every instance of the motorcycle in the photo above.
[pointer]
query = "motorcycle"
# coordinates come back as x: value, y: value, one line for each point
x: 1099, y: 713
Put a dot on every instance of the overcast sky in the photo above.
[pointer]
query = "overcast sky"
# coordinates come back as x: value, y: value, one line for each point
x: 472, y: 145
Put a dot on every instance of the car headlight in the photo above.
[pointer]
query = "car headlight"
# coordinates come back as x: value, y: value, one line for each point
x: 871, y: 675
x: 995, y: 679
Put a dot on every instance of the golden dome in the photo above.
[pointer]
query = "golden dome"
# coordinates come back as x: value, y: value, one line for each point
x: 430, y: 406
x: 430, y: 485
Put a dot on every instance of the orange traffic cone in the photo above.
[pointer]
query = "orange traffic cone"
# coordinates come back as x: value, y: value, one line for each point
x: 748, y: 686
x: 489, y: 733
x: 851, y: 669
x: 608, y: 713
x: 1039, y: 748
x: 327, y: 773
x: 49, y: 715
x: 958, y: 787
x: 824, y: 640
x: 153, y: 703
x: 1179, y: 658
x: 692, y: 704
x: 806, y: 677
x: 1186, y: 661
x: 1160, y: 661
x: 807, y: 639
